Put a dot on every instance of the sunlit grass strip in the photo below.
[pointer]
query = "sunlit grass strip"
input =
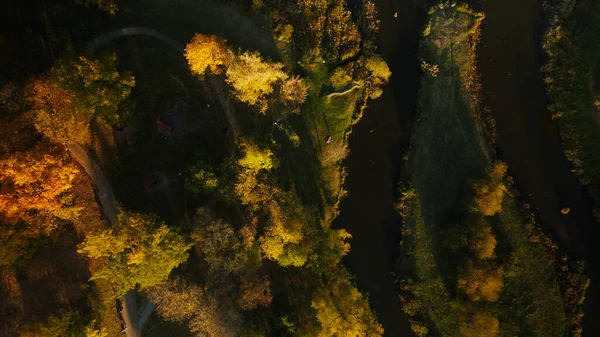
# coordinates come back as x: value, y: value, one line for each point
x: 451, y: 149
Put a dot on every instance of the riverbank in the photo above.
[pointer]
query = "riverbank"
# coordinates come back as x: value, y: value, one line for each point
x: 528, y: 139
x: 373, y: 166
x: 472, y: 262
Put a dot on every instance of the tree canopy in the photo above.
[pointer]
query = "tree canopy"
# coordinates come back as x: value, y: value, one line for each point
x: 37, y: 182
x: 253, y: 79
x: 481, y: 281
x: 74, y: 91
x: 139, y: 250
x: 489, y: 192
x: 205, y: 52
x: 342, y: 310
x: 203, y: 313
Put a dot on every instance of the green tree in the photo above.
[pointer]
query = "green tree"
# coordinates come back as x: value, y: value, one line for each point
x: 96, y: 86
x: 63, y: 324
x: 139, y: 250
x: 202, y: 179
x: 342, y: 310
x: 253, y: 79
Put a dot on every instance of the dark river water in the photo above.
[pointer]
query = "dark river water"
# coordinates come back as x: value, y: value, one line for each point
x: 377, y: 144
x: 510, y: 59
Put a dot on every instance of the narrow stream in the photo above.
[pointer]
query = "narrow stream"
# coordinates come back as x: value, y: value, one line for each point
x: 373, y: 166
x: 528, y: 140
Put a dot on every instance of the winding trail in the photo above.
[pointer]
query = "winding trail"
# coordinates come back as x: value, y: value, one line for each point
x: 108, y: 202
x: 103, y: 188
x: 106, y: 38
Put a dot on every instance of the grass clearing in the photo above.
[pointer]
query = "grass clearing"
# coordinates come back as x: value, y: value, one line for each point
x: 326, y: 117
x: 451, y: 150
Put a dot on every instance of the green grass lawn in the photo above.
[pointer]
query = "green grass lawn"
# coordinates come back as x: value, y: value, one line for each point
x: 451, y: 149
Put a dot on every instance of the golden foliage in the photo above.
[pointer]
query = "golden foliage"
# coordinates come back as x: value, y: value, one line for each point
x: 379, y: 74
x: 253, y: 78
x: 207, y: 52
x: 340, y: 78
x: 341, y: 35
x: 138, y: 250
x: 56, y: 115
x: 489, y: 193
x: 484, y: 243
x: 184, y: 302
x: 481, y: 282
x: 256, y: 159
x: 38, y: 180
x: 479, y: 324
x: 283, y: 240
x: 342, y: 310
x: 294, y: 91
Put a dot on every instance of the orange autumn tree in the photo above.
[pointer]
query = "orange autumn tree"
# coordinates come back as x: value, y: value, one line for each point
x: 37, y: 182
x: 55, y: 113
x: 76, y: 90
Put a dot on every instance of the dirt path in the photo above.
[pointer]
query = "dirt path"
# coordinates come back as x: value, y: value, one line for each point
x: 103, y: 188
x: 108, y: 203
x: 180, y: 47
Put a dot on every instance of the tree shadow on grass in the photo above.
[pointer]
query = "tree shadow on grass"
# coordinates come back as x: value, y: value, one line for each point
x: 300, y: 167
x: 449, y: 154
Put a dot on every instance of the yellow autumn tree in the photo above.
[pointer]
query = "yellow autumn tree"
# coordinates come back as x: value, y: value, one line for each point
x: 139, y: 250
x: 484, y: 243
x: 341, y: 34
x: 479, y: 324
x: 379, y: 75
x: 481, y: 281
x: 284, y: 238
x: 342, y: 310
x: 38, y: 181
x: 489, y: 193
x: 251, y: 190
x: 253, y: 79
x: 208, y: 52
